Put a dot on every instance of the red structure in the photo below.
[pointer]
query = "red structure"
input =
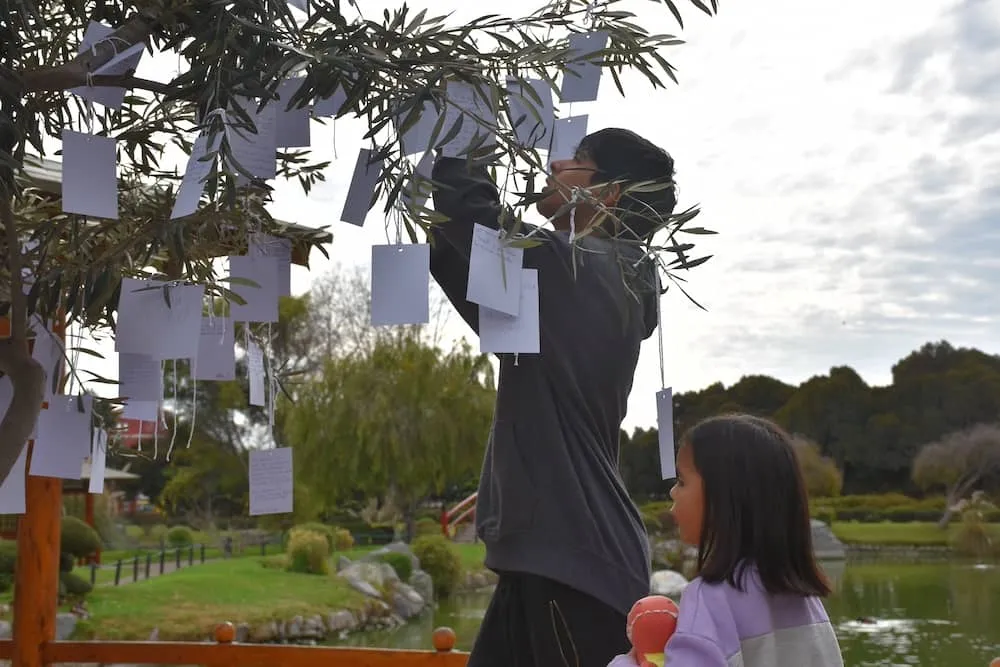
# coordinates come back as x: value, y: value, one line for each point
x: 464, y: 511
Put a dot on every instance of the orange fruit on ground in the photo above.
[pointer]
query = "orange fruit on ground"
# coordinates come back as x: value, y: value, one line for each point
x: 443, y: 639
x: 225, y: 633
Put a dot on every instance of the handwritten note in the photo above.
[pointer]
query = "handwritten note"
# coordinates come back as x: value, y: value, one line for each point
x: 255, y: 369
x: 89, y: 178
x: 416, y: 138
x: 292, y: 121
x: 12, y: 491
x: 121, y: 63
x: 216, y: 350
x: 569, y: 132
x: 199, y: 166
x: 582, y: 77
x: 271, y: 482
x: 665, y: 428
x: 98, y: 461
x: 400, y: 280
x: 140, y: 377
x: 362, y: 190
x: 256, y: 151
x: 494, y: 272
x: 261, y: 299
x: 532, y: 112
x: 332, y: 105
x: 148, y: 325
x: 264, y: 245
x: 474, y: 109
x: 502, y: 333
x: 63, y: 440
x: 416, y: 192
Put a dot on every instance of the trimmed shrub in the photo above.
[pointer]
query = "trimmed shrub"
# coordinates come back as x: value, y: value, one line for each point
x: 308, y: 553
x: 401, y: 563
x: 342, y: 539
x: 77, y: 538
x: 321, y: 529
x: 73, y: 586
x: 427, y: 526
x: 180, y: 536
x: 439, y: 559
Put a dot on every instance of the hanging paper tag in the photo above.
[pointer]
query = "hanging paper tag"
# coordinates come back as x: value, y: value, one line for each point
x: 271, y: 481
x: 501, y: 333
x: 665, y: 429
x: 400, y: 282
x: 255, y: 369
x: 568, y: 134
x: 360, y: 194
x: 532, y: 113
x: 582, y: 77
x: 494, y: 272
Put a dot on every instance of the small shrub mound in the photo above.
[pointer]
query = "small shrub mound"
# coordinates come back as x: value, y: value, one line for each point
x: 439, y: 559
x: 321, y: 529
x: 180, y: 536
x: 77, y: 538
x: 342, y: 539
x: 401, y: 563
x: 8, y: 559
x: 308, y: 552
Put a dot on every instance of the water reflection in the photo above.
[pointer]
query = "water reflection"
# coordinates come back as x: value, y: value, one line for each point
x: 886, y: 615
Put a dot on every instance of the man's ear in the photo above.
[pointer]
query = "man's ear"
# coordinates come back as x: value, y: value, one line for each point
x: 610, y: 194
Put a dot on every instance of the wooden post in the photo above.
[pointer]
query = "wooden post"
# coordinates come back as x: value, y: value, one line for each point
x: 88, y: 511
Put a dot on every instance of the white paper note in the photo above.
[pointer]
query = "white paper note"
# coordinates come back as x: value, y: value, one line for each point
x: 98, y: 461
x: 12, y: 492
x: 665, y: 428
x: 264, y: 245
x: 330, y: 106
x: 140, y: 377
x: 147, y: 325
x: 417, y: 138
x: 271, y: 481
x: 501, y: 333
x: 582, y: 77
x: 63, y: 440
x: 400, y: 282
x: 47, y: 351
x: 255, y: 369
x: 359, y: 196
x: 302, y: 5
x: 477, y: 115
x: 533, y: 120
x: 262, y: 300
x: 146, y: 411
x: 198, y: 169
x: 256, y: 153
x: 216, y: 350
x: 416, y: 192
x: 494, y: 272
x: 123, y: 61
x: 89, y: 175
x: 292, y: 123
x: 569, y: 132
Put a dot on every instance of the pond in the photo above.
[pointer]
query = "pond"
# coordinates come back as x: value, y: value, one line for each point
x: 886, y: 614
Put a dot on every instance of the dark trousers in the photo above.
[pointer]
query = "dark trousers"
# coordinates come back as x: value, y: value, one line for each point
x: 537, y: 622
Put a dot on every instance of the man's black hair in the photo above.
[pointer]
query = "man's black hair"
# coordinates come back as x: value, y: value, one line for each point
x: 756, y: 508
x: 624, y: 156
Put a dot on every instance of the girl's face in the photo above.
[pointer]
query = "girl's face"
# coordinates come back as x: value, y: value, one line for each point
x: 689, y: 498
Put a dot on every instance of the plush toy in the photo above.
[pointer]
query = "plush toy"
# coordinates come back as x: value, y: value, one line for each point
x: 651, y: 622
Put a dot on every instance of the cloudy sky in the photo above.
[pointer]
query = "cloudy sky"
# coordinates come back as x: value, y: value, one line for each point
x: 848, y: 153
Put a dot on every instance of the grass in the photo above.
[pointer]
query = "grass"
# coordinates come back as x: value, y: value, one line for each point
x: 187, y: 604
x: 889, y: 533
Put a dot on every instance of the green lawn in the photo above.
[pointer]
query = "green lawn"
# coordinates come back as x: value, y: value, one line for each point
x: 896, y: 534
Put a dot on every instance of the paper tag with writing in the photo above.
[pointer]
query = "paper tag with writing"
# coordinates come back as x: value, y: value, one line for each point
x: 89, y: 175
x: 478, y: 119
x: 494, y: 272
x: 417, y: 137
x: 359, y: 195
x: 98, y: 461
x: 271, y: 483
x: 330, y: 106
x: 569, y: 132
x: 148, y: 325
x: 261, y: 300
x: 532, y: 112
x: 256, y: 153
x: 140, y: 377
x: 582, y: 77
x: 293, y: 122
x: 12, y: 491
x: 264, y: 245
x: 400, y: 281
x: 258, y: 378
x: 665, y: 428
x: 63, y: 440
x: 216, y: 359
x: 122, y: 62
x: 501, y: 333
x: 199, y: 166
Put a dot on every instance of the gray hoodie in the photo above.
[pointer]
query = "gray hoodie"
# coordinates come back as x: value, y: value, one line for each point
x: 551, y: 500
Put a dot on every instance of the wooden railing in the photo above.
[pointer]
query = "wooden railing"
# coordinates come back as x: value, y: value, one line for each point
x: 224, y: 652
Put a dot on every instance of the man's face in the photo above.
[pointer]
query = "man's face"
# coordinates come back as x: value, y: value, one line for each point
x: 566, y: 175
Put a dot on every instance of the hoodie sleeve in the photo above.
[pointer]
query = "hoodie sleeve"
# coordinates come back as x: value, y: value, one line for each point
x: 704, y: 626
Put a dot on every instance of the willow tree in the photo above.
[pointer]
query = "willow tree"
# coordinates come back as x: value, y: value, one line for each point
x: 385, y: 67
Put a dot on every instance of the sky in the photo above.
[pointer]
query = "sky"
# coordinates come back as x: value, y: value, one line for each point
x: 848, y: 154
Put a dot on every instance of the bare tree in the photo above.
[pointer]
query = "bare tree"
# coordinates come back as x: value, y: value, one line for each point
x: 961, y: 462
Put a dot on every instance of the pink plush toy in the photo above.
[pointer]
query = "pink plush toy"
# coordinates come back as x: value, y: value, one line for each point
x: 651, y: 622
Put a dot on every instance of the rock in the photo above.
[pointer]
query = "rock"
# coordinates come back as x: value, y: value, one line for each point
x: 340, y: 621
x: 826, y: 546
x: 363, y: 587
x: 406, y: 602
x: 242, y: 633
x: 343, y: 562
x: 6, y: 630
x: 670, y: 554
x: 389, y: 576
x: 422, y: 584
x: 475, y: 581
x: 293, y: 629
x: 667, y: 582
x: 376, y: 574
x: 65, y: 624
x: 313, y: 628
x: 265, y: 633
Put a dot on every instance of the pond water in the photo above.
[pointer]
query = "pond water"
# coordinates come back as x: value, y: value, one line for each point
x: 886, y: 615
